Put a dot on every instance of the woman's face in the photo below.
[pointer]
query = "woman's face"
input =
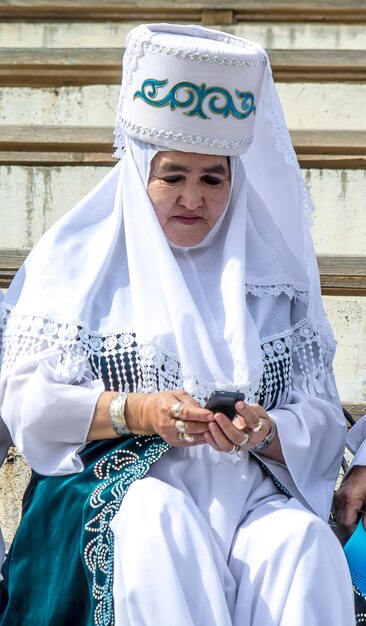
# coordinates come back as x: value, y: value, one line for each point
x: 189, y: 192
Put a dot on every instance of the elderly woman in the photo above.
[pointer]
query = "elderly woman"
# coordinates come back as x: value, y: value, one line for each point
x: 189, y: 269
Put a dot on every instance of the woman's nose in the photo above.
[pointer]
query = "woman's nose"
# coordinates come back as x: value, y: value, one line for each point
x: 191, y: 198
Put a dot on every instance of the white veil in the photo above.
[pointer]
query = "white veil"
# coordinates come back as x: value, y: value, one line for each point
x: 105, y: 270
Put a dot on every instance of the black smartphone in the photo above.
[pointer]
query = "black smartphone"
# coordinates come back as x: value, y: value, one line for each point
x: 224, y: 402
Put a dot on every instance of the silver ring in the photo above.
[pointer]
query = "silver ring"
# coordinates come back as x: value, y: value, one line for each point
x: 175, y: 409
x: 259, y: 426
x: 185, y: 438
x: 234, y: 450
x: 245, y: 440
x: 180, y: 427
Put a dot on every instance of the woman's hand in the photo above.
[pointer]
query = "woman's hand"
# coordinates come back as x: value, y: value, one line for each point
x: 249, y: 428
x: 173, y: 415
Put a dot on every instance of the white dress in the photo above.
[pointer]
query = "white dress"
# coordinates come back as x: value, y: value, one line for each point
x: 207, y: 537
x: 216, y: 544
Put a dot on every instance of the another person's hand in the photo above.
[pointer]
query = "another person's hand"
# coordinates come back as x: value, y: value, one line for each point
x: 174, y: 415
x: 350, y: 499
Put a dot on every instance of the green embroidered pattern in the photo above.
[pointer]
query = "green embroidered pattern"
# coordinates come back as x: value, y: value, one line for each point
x: 185, y: 94
x: 129, y: 460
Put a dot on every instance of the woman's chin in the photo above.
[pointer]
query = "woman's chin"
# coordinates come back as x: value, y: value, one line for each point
x: 187, y: 239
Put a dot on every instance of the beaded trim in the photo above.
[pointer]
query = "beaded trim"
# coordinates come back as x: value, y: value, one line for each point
x: 360, y: 606
x: 115, y: 471
x: 204, y: 58
x: 185, y: 138
x: 278, y: 484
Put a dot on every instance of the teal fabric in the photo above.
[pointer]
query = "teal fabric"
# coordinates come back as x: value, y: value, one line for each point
x: 59, y: 571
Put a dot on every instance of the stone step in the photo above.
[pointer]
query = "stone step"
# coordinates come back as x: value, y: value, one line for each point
x: 46, y: 145
x: 35, y: 196
x: 97, y: 34
x: 340, y: 275
x: 59, y: 67
x: 46, y: 170
x: 307, y: 106
x: 344, y: 288
x: 347, y: 317
x: 208, y: 12
x: 20, y: 34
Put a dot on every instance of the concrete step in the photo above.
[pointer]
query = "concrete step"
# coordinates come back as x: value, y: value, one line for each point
x: 98, y: 34
x: 59, y: 67
x: 207, y: 12
x: 344, y: 288
x: 307, y: 105
x: 340, y: 275
x: 46, y: 170
x: 348, y: 319
x: 48, y: 145
x: 35, y: 196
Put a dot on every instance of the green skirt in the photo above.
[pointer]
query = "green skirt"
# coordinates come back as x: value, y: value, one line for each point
x: 59, y: 570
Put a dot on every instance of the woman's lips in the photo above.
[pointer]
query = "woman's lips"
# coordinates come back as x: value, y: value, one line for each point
x: 188, y: 219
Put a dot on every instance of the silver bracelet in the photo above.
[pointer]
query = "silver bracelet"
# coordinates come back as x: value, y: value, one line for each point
x: 262, y: 445
x: 117, y: 415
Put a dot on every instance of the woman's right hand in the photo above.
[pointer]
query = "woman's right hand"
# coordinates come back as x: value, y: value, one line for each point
x: 174, y: 415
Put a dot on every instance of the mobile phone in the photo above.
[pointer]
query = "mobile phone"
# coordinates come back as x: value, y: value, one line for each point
x: 224, y: 402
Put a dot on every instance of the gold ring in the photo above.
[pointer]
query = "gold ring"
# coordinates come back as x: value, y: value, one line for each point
x: 234, y: 450
x: 259, y: 426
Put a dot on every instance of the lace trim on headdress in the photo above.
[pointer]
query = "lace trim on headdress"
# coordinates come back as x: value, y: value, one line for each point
x: 277, y: 290
x: 284, y: 146
x: 181, y: 137
x: 130, y: 65
x: 278, y: 128
x: 78, y: 352
x: 204, y: 58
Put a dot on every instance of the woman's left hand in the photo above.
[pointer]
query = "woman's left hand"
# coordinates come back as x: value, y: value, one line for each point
x: 250, y: 427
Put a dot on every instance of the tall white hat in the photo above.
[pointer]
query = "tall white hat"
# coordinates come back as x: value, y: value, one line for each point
x: 189, y: 88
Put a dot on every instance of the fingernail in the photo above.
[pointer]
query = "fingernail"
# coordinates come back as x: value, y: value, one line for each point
x: 240, y: 405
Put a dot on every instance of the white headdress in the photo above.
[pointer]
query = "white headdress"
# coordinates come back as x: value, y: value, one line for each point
x: 104, y: 281
x: 190, y: 88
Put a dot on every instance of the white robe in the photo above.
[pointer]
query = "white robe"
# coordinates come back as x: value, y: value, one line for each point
x: 185, y: 541
x: 187, y: 552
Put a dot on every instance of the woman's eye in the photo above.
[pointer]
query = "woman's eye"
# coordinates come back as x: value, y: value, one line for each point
x: 171, y: 180
x: 211, y: 180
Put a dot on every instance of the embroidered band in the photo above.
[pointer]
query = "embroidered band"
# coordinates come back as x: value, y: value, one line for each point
x: 193, y: 96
